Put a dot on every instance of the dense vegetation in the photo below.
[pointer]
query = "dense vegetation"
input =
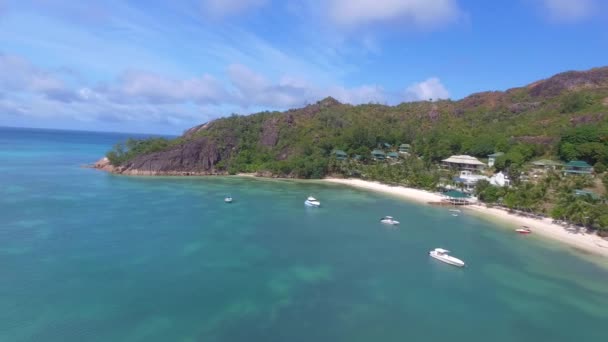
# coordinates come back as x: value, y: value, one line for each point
x: 564, y: 117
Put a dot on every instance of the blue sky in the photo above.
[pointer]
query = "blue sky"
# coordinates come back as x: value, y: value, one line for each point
x: 161, y: 67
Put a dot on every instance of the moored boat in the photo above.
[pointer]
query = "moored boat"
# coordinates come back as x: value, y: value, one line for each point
x: 312, y: 202
x: 228, y: 199
x: 442, y: 255
x: 524, y: 230
x: 389, y: 220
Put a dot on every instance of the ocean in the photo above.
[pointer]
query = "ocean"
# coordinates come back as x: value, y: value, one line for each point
x: 90, y: 256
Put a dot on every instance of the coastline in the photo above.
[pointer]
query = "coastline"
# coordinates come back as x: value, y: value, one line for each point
x: 587, y: 242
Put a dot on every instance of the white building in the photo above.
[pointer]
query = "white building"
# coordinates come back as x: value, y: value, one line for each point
x: 463, y: 162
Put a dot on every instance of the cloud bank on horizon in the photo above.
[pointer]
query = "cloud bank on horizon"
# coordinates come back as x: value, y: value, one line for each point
x: 159, y: 67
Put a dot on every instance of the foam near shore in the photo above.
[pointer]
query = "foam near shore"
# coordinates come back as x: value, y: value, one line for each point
x: 588, y: 242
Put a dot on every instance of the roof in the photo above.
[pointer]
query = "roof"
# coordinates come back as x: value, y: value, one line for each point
x: 578, y: 163
x: 546, y: 162
x: 455, y: 194
x: 497, y: 154
x: 387, y: 145
x: 393, y: 154
x: 339, y: 152
x: 405, y: 145
x: 586, y: 193
x: 463, y: 159
x: 378, y: 152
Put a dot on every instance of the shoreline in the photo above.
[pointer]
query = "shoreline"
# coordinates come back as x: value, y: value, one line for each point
x: 586, y: 242
x: 580, y: 241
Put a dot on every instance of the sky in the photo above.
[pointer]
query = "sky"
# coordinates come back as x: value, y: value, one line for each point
x: 161, y: 67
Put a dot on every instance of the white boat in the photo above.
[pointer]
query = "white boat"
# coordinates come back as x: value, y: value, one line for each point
x: 524, y: 230
x: 312, y: 202
x: 455, y: 210
x: 389, y: 220
x: 228, y: 199
x: 442, y: 255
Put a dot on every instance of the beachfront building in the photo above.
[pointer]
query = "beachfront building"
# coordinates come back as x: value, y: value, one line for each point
x: 578, y: 167
x: 544, y: 165
x: 467, y: 180
x: 340, y: 155
x: 492, y: 158
x: 463, y: 162
x: 405, y: 148
x: 378, y: 155
x: 457, y: 198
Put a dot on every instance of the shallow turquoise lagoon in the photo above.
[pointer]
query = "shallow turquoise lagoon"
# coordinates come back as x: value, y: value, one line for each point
x: 88, y: 256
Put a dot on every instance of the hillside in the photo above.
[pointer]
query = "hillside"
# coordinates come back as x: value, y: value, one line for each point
x: 564, y: 116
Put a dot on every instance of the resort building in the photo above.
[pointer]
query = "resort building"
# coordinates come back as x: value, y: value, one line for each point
x: 500, y: 179
x: 463, y: 162
x: 340, y: 155
x: 546, y: 165
x: 578, y: 167
x: 492, y: 158
x: 392, y: 155
x: 405, y: 148
x: 467, y: 180
x: 378, y: 155
x: 591, y: 194
x: 457, y: 198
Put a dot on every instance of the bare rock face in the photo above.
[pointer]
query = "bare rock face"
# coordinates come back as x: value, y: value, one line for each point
x: 103, y: 164
x: 270, y: 133
x: 571, y: 80
x: 192, y: 131
x: 194, y: 157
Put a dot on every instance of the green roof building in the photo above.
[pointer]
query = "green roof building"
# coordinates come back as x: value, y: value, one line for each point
x: 405, y: 148
x: 378, y: 155
x: 392, y: 155
x: 340, y: 155
x: 578, y: 167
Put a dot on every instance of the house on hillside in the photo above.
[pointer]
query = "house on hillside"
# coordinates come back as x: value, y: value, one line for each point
x: 591, y: 194
x: 378, y: 155
x: 463, y: 162
x: 546, y: 165
x: 405, y: 148
x: 578, y: 167
x: 392, y: 155
x: 339, y: 154
x: 492, y: 158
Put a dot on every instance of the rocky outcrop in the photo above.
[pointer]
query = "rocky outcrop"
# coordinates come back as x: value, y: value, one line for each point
x: 570, y: 80
x: 194, y: 157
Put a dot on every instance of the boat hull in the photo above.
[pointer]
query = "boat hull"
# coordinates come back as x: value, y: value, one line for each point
x: 447, y: 259
x: 312, y: 204
x: 390, y: 222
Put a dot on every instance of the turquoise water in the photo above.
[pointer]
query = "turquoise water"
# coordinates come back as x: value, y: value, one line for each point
x: 88, y: 256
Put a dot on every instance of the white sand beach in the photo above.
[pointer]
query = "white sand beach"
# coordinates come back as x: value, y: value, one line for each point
x: 586, y: 242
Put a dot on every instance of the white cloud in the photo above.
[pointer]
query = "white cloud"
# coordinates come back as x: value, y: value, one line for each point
x: 569, y: 10
x: 417, y: 13
x: 156, y: 88
x: 230, y: 7
x: 431, y: 88
x: 19, y: 75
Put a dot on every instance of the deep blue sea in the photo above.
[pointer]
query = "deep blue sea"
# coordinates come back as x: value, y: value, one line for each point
x: 90, y: 256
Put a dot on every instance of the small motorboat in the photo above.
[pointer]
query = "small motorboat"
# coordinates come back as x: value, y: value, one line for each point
x: 524, y: 230
x: 312, y: 202
x: 455, y: 210
x: 442, y: 255
x: 228, y: 199
x: 454, y: 214
x: 389, y: 220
